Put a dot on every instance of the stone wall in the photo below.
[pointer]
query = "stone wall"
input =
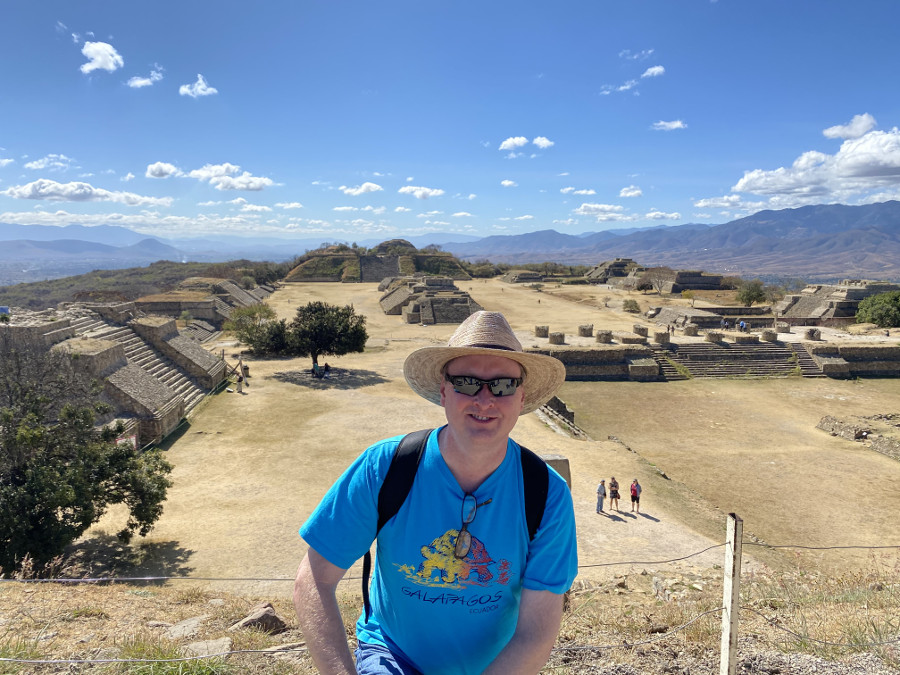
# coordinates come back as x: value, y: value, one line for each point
x: 98, y: 358
x: 158, y: 408
x: 606, y: 362
x: 842, y: 361
x: 184, y: 351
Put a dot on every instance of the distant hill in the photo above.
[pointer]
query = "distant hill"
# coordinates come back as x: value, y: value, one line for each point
x: 824, y: 241
x: 148, y: 250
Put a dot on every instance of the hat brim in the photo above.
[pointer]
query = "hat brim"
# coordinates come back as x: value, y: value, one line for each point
x: 543, y: 374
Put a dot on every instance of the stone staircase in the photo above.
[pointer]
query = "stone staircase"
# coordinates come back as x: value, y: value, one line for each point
x: 667, y: 372
x: 140, y: 353
x: 808, y: 365
x: 763, y: 359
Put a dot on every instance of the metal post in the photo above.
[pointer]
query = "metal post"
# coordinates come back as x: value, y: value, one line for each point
x: 731, y: 595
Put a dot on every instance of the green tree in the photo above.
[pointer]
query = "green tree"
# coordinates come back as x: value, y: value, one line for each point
x: 58, y: 474
x: 688, y: 294
x: 750, y: 292
x: 883, y: 310
x: 251, y: 325
x: 320, y: 329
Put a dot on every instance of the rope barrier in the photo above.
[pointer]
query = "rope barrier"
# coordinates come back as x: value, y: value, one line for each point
x: 97, y: 580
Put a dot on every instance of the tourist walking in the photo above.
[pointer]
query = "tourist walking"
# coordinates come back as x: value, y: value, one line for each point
x: 613, y: 493
x: 466, y: 579
x: 601, y: 495
x: 635, y: 496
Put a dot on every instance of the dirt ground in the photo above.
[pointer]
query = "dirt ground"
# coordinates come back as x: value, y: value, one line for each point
x: 250, y: 467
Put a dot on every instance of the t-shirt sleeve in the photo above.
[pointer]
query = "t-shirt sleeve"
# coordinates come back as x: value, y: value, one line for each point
x: 342, y: 527
x: 552, y: 562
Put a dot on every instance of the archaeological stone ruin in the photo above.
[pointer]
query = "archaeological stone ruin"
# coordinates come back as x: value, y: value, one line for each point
x: 427, y: 300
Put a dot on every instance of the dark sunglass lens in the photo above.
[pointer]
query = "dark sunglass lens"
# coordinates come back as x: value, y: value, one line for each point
x: 503, y: 386
x: 465, y: 385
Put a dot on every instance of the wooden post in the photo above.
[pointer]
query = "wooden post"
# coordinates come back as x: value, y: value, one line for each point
x: 731, y: 595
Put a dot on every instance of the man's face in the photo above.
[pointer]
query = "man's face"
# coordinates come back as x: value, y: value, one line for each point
x: 483, y: 418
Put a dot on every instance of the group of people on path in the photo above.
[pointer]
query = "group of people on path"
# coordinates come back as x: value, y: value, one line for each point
x: 614, y: 495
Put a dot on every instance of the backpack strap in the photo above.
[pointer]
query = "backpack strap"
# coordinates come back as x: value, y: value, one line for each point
x: 394, y: 490
x: 536, y: 484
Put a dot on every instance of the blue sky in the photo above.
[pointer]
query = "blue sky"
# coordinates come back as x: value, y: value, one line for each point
x: 358, y: 120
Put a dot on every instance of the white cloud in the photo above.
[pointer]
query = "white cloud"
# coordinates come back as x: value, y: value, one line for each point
x: 669, y: 126
x: 631, y: 84
x: 858, y: 126
x: 289, y: 205
x: 138, y: 82
x: 602, y: 212
x: 635, y: 56
x: 162, y: 170
x: 53, y: 162
x: 402, y: 209
x: 654, y: 71
x: 462, y: 214
x: 525, y: 217
x: 222, y: 177
x: 127, y: 177
x: 101, y: 56
x: 360, y: 189
x: 345, y: 208
x: 420, y: 192
x: 726, y: 202
x: 509, y: 183
x: 513, y: 142
x: 660, y: 215
x: 543, y: 142
x: 49, y: 190
x: 5, y: 162
x: 862, y: 166
x: 567, y: 221
x: 631, y: 191
x: 255, y: 208
x: 199, y: 88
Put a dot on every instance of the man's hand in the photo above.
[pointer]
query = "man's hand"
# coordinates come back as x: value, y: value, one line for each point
x: 319, y: 616
x: 540, y: 616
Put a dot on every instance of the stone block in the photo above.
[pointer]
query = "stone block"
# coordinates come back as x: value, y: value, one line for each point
x: 604, y: 336
x: 586, y: 330
x: 541, y: 331
x: 640, y: 329
x: 557, y: 338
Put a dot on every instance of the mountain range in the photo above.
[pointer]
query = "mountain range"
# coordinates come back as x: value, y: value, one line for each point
x: 813, y: 242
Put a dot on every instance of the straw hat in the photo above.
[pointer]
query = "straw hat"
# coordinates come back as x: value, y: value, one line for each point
x: 485, y: 333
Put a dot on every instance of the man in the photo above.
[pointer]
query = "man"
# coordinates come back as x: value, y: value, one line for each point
x: 601, y: 495
x: 459, y: 585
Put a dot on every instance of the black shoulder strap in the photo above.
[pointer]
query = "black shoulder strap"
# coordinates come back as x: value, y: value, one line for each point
x: 394, y: 490
x: 536, y: 483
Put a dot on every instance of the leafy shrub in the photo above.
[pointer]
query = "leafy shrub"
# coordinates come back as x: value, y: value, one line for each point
x: 883, y: 310
x: 631, y: 305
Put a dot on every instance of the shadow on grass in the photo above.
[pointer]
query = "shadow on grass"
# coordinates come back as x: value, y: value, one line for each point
x: 103, y: 555
x: 338, y: 378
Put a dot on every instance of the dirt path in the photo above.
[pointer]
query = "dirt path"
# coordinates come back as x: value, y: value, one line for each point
x: 251, y: 467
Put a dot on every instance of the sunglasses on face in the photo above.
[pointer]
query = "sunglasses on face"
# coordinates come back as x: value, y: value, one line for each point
x: 470, y: 386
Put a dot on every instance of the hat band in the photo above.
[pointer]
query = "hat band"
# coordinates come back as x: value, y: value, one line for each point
x: 489, y: 346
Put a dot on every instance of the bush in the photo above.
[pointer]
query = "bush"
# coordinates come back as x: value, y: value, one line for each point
x: 883, y: 310
x: 57, y: 474
x: 631, y: 305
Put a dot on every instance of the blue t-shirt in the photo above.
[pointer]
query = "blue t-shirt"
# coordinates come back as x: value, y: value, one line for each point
x: 446, y: 615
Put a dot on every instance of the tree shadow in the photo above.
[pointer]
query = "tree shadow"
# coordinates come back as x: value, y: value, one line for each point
x: 103, y: 555
x: 337, y: 378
